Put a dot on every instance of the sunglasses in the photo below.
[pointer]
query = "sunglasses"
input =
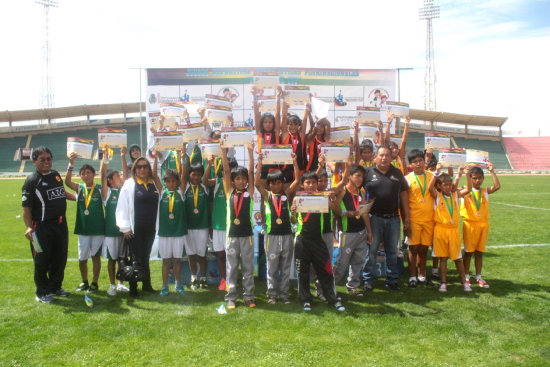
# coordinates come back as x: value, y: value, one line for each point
x: 141, y: 166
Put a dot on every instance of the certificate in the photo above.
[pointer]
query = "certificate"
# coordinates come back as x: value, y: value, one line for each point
x: 266, y: 81
x: 437, y: 141
x: 210, y: 147
x: 154, y: 120
x: 340, y: 134
x: 83, y: 147
x: 365, y: 206
x: 367, y: 114
x: 237, y: 136
x: 452, y: 157
x: 335, y: 152
x: 267, y: 103
x: 311, y: 202
x: 319, y: 108
x: 478, y: 158
x: 367, y: 130
x: 213, y: 100
x: 399, y: 109
x: 113, y: 138
x: 277, y: 154
x: 174, y: 109
x: 191, y: 132
x: 167, y: 140
x: 218, y: 116
x: 297, y: 95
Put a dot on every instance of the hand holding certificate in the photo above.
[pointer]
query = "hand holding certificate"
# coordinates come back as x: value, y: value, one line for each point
x: 277, y: 154
x: 237, y: 136
x: 365, y: 207
x: 113, y: 138
x: 367, y: 114
x: 297, y: 95
x: 367, y: 130
x: 266, y: 80
x: 340, y: 134
x: 311, y: 202
x: 83, y: 147
x: 478, y: 158
x: 437, y: 141
x: 336, y: 152
x: 167, y: 140
x: 399, y: 109
x: 191, y: 132
x: 218, y: 116
x: 452, y: 157
x: 267, y: 103
x: 218, y: 101
x: 210, y: 147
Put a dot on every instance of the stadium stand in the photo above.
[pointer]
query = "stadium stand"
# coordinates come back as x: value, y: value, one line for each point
x: 528, y: 152
x: 8, y: 150
x: 497, y: 155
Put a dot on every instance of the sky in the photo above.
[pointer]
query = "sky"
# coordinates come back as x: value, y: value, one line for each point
x: 491, y: 56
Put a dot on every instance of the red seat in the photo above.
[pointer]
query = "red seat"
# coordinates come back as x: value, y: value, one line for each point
x: 528, y: 152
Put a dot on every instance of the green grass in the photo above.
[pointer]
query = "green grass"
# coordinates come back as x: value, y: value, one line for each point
x: 505, y: 325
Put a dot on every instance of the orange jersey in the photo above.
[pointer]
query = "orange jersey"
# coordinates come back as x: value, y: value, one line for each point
x: 443, y: 207
x: 336, y: 178
x: 398, y: 163
x: 469, y: 210
x: 366, y: 163
x: 421, y: 207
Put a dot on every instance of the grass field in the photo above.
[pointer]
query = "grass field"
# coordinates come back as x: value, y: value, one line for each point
x: 507, y: 324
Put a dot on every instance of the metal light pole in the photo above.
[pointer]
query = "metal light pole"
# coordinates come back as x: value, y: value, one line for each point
x: 428, y: 12
x: 46, y: 90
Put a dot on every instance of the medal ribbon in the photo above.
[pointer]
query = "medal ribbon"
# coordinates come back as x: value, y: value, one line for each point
x: 422, y: 189
x: 177, y: 159
x: 306, y: 218
x: 88, y: 197
x: 451, y: 207
x: 294, y: 141
x: 355, y: 203
x: 478, y: 200
x: 171, y: 202
x: 240, y: 203
x: 277, y: 209
x: 217, y: 165
x: 195, y: 195
x: 267, y: 137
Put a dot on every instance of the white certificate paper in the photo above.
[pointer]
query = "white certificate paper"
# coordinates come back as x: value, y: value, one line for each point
x: 191, y: 132
x: 164, y: 141
x: 478, y: 158
x: 267, y: 104
x: 455, y: 157
x: 266, y: 81
x: 210, y: 147
x: 319, y: 108
x: 83, y: 147
x: 277, y: 154
x: 437, y: 141
x: 368, y: 114
x: 311, y: 202
x: 335, y: 152
x: 237, y: 136
x: 340, y: 134
x: 367, y: 130
x: 297, y: 95
x: 399, y: 109
x: 218, y: 117
x: 113, y: 138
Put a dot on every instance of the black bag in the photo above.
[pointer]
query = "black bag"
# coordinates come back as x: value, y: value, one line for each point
x: 129, y: 269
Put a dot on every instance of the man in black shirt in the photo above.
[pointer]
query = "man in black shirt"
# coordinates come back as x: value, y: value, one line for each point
x: 388, y: 186
x: 44, y: 206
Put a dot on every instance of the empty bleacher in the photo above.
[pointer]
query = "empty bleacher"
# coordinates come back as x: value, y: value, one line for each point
x: 528, y: 152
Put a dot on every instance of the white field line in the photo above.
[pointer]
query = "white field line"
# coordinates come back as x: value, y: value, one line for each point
x: 520, y: 206
x: 498, y: 246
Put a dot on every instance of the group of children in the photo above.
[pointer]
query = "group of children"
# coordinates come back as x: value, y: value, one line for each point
x: 211, y: 199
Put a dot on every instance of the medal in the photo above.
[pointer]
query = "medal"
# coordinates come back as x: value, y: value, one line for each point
x: 422, y: 189
x: 195, y: 198
x: 450, y: 207
x: 277, y: 207
x: 217, y: 165
x: 423, y: 200
x: 357, y: 216
x: 478, y: 214
x: 171, y: 216
x: 452, y: 221
x: 86, y: 212
x: 237, y: 206
x: 477, y: 201
x: 171, y: 205
x: 355, y: 202
x: 196, y: 211
x: 87, y: 198
x: 279, y: 221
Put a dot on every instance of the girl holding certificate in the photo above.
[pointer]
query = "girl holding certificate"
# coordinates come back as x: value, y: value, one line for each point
x: 319, y: 132
x: 293, y: 132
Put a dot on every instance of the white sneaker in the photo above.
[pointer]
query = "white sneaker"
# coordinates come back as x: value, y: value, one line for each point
x: 467, y: 287
x: 122, y: 288
x: 443, y: 287
x: 112, y: 290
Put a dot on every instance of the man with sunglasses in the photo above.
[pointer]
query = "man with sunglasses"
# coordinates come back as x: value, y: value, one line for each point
x: 44, y: 202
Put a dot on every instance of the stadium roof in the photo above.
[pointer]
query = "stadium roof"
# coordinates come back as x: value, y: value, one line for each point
x: 124, y: 108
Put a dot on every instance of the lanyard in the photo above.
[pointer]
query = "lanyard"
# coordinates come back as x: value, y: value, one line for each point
x: 177, y: 159
x: 88, y: 197
x: 195, y: 195
x: 478, y: 200
x: 217, y: 165
x: 355, y: 203
x: 277, y: 208
x: 450, y: 207
x: 295, y: 141
x: 171, y: 198
x: 240, y: 203
x: 422, y: 189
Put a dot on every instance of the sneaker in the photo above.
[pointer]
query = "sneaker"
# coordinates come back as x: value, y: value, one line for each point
x: 82, y: 287
x: 112, y: 290
x: 60, y: 293
x: 412, y: 283
x: 250, y: 303
x: 164, y: 291
x: 392, y: 286
x: 221, y: 287
x: 339, y: 307
x: 482, y: 283
x: 307, y: 306
x: 44, y: 299
x: 355, y: 292
x: 368, y: 287
x: 467, y: 287
x: 443, y: 287
x: 231, y: 305
x: 203, y: 284
x: 179, y: 289
x: 272, y: 300
x: 92, y: 289
x: 286, y: 301
x: 122, y: 288
x: 195, y: 284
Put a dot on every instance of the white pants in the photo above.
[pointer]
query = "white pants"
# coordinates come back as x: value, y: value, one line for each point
x: 89, y: 246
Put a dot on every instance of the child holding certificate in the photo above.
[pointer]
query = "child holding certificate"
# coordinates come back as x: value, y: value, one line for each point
x: 239, y: 246
x: 90, y: 223
x: 111, y: 182
x: 293, y: 132
x: 278, y: 239
x: 218, y: 209
x: 171, y: 223
x: 319, y: 132
x: 475, y: 211
x: 364, y: 151
x: 446, y: 240
x: 398, y: 152
x: 198, y: 222
x: 310, y: 249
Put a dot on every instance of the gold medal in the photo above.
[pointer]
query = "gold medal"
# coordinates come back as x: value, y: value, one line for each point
x: 357, y: 216
x: 237, y: 221
x: 196, y: 211
x: 478, y: 214
x: 423, y: 200
x: 86, y: 212
x: 279, y: 221
x: 171, y: 216
x: 452, y: 221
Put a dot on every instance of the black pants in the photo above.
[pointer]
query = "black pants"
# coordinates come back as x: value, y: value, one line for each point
x: 49, y: 265
x: 312, y: 250
x: 140, y: 249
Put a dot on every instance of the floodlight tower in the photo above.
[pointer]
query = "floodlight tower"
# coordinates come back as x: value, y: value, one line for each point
x: 46, y: 90
x: 428, y: 12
